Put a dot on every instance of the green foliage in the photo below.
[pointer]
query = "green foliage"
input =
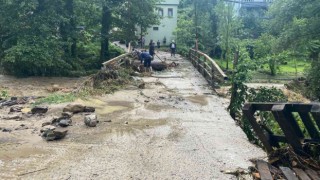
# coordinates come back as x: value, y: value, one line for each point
x: 264, y: 94
x: 313, y: 80
x: 267, y: 120
x: 4, y: 93
x: 228, y: 29
x: 241, y: 74
x: 57, y: 38
x: 56, y: 99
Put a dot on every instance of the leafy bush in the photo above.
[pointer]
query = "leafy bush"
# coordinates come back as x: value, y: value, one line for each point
x: 267, y: 120
x: 115, y: 51
x: 313, y: 80
x: 4, y: 94
x: 183, y: 50
x: 35, y: 58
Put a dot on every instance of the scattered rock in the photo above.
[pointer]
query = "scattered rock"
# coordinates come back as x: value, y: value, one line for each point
x: 9, y: 103
x: 65, y: 122
x: 74, y: 108
x: 46, y: 124
x: 6, y: 130
x: 162, y: 97
x: 46, y: 128
x: 55, y: 120
x: 142, y: 85
x: 51, y: 135
x: 89, y: 109
x: 91, y: 120
x: 16, y: 109
x: 21, y: 127
x: 39, y: 110
x: 12, y: 117
x: 67, y: 114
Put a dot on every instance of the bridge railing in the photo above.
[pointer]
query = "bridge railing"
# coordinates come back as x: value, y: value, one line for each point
x: 307, y: 116
x: 115, y: 60
x: 207, y: 67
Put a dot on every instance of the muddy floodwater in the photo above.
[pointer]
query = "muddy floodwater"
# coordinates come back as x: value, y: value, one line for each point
x: 174, y: 128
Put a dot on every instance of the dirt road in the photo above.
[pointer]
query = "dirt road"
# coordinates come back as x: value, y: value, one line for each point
x: 175, y: 128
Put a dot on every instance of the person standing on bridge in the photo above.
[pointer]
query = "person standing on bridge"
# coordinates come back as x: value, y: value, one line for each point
x: 151, y: 48
x: 158, y: 44
x: 173, y: 47
x: 146, y: 58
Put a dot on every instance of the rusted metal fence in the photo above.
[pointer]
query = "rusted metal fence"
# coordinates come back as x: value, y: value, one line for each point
x: 207, y: 67
x: 308, y: 115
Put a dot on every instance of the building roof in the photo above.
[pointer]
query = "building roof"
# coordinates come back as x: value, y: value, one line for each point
x: 170, y: 2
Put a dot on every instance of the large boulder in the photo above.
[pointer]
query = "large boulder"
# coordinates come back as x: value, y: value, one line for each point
x: 16, y: 109
x: 77, y: 108
x: 64, y: 122
x: 91, y: 120
x: 66, y: 114
x: 74, y: 108
x: 89, y: 109
x: 39, y: 110
x: 51, y: 135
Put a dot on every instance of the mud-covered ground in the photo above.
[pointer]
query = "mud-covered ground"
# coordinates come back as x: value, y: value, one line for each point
x: 175, y: 128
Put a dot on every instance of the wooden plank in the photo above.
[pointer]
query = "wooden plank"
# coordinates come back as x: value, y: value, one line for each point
x: 248, y: 111
x: 312, y: 174
x: 293, y: 107
x: 301, y: 174
x: 286, y: 125
x: 316, y: 117
x: 288, y: 173
x: 315, y: 111
x: 264, y: 171
x: 307, y: 121
x: 289, y: 117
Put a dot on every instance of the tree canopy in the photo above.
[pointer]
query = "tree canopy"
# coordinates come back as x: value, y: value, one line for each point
x: 65, y: 37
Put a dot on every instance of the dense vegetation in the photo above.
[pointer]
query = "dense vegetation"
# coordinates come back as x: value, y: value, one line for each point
x: 281, y: 38
x: 66, y: 37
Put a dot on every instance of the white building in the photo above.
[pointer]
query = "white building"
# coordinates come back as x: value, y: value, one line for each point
x: 168, y: 11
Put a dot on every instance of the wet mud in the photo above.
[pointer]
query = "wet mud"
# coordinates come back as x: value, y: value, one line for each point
x: 175, y: 128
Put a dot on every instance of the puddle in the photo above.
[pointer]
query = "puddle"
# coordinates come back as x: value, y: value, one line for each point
x: 109, y: 109
x: 155, y: 107
x: 103, y: 108
x: 202, y: 100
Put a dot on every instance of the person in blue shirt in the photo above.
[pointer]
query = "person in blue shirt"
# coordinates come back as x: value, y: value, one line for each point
x: 146, y: 58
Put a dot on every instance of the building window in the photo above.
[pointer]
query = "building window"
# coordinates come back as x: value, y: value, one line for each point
x: 170, y: 12
x: 160, y: 12
x: 155, y: 28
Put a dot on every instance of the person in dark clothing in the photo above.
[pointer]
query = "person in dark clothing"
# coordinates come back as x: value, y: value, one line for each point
x: 158, y: 44
x: 173, y: 47
x: 151, y: 48
x: 146, y: 58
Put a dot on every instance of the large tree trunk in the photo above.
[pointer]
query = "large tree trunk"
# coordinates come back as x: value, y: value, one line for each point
x: 106, y: 24
x: 68, y: 30
x: 70, y: 11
